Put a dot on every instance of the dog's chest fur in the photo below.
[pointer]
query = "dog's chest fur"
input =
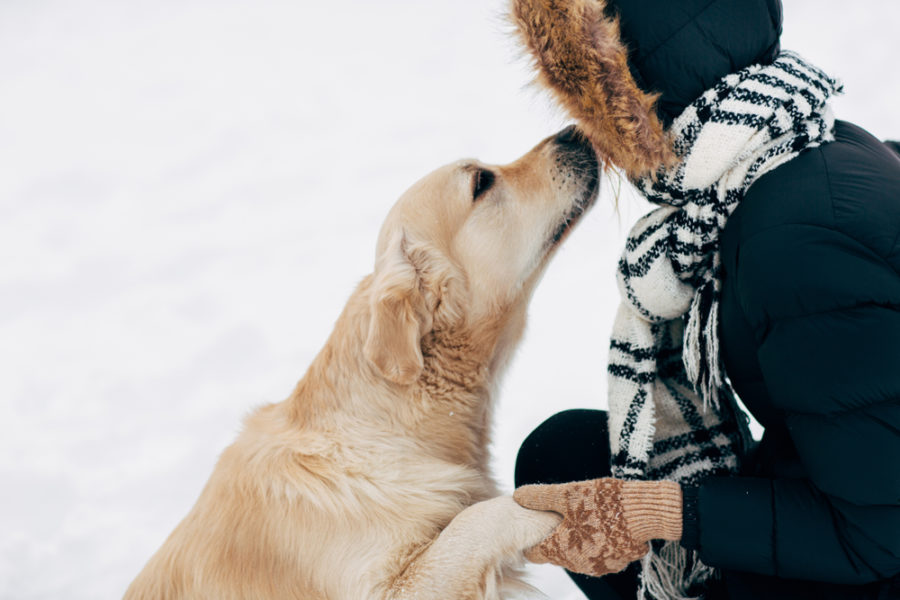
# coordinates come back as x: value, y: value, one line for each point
x: 392, y: 476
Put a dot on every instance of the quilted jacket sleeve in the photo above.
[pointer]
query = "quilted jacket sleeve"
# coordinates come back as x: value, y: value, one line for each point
x: 826, y: 312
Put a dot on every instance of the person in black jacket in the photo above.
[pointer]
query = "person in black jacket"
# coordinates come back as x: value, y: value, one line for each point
x: 803, y: 265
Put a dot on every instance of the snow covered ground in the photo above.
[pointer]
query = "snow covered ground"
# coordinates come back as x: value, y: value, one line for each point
x: 189, y: 190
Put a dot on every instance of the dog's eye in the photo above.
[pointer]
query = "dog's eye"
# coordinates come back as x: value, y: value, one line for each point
x: 481, y: 182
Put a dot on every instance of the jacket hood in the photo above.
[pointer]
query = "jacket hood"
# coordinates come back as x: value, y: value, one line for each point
x: 680, y: 48
x: 624, y: 69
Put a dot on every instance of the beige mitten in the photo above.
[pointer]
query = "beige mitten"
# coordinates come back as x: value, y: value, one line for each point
x: 606, y: 522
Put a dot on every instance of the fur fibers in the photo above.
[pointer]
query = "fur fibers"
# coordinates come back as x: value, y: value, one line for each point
x: 330, y: 494
x: 581, y: 59
x: 371, y: 480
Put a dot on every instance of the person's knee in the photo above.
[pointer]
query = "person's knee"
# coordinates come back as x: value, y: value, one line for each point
x: 569, y: 446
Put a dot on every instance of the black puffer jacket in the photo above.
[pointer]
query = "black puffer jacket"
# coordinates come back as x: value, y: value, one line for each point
x: 810, y: 336
x: 810, y: 332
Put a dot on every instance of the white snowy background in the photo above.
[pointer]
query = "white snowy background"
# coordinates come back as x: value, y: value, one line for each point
x: 190, y: 189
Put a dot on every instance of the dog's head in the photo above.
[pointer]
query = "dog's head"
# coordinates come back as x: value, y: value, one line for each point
x: 466, y: 244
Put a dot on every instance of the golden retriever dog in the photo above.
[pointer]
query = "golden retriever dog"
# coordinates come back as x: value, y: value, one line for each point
x: 371, y: 481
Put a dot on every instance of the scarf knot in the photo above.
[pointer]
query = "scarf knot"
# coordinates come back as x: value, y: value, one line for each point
x: 671, y: 413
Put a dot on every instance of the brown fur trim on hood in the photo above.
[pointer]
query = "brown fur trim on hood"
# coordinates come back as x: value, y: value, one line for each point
x: 580, y: 58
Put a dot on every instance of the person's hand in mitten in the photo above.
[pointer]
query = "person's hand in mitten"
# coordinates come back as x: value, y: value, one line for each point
x: 607, y: 523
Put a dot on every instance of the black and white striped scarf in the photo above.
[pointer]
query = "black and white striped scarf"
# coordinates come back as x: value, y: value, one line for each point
x: 671, y: 412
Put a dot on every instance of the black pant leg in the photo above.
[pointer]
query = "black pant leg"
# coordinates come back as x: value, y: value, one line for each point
x: 574, y: 446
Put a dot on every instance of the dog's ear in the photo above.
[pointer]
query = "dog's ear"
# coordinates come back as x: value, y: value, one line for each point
x: 399, y: 316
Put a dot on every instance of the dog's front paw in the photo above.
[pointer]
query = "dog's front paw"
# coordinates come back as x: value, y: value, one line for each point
x: 532, y: 526
x: 499, y: 526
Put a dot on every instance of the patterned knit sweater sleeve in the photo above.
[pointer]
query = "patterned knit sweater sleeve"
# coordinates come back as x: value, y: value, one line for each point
x: 823, y: 300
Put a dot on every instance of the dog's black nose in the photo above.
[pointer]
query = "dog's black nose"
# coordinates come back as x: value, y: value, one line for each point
x: 568, y: 135
x: 572, y: 140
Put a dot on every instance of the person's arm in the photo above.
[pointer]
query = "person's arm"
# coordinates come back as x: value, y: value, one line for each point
x: 826, y: 310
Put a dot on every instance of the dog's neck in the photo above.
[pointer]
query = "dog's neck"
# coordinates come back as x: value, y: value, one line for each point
x: 456, y: 364
x: 454, y: 394
x: 446, y: 411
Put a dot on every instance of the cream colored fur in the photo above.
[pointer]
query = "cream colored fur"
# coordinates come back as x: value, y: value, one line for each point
x: 371, y: 480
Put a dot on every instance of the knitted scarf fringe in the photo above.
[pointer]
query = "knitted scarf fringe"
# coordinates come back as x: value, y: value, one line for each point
x: 657, y: 567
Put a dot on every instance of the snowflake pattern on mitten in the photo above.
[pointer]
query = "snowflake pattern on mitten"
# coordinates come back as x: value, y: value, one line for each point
x: 594, y: 537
